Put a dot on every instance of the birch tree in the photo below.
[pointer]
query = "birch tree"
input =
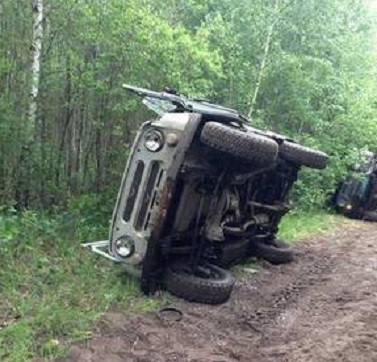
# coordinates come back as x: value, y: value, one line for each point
x: 262, y: 67
x: 36, y: 50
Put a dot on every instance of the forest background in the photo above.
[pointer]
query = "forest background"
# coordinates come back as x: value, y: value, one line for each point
x: 303, y: 68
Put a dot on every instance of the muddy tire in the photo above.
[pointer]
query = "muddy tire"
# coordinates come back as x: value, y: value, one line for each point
x: 234, y: 252
x: 302, y: 155
x: 370, y: 216
x: 246, y: 145
x: 210, y: 285
x: 275, y: 251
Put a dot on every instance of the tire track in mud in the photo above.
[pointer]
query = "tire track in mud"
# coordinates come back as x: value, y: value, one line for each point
x: 307, y: 276
x: 334, y: 319
x: 322, y: 307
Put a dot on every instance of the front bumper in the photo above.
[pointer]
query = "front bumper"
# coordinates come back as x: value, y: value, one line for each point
x: 102, y: 248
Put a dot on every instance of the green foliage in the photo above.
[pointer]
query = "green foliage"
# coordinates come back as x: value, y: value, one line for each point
x: 318, y: 84
x: 89, y: 214
x: 302, y: 224
x: 52, y: 289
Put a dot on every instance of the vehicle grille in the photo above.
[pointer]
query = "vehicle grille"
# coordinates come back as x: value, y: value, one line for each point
x: 148, y: 199
x: 134, y: 190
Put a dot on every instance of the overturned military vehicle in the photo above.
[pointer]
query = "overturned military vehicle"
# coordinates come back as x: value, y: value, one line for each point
x: 202, y: 190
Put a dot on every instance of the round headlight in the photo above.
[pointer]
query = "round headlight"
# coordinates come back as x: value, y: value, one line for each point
x: 124, y: 247
x: 153, y: 140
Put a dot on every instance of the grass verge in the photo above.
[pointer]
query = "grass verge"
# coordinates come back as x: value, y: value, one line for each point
x: 52, y: 291
x: 300, y: 224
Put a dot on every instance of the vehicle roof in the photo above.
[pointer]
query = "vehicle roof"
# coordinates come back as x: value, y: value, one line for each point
x: 211, y: 109
x: 183, y: 104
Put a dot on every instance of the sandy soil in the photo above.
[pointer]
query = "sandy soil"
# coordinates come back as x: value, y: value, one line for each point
x: 322, y: 307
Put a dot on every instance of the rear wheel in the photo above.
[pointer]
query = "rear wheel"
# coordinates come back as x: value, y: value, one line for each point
x: 234, y: 252
x: 274, y: 251
x: 210, y: 284
x: 246, y: 145
x: 302, y: 155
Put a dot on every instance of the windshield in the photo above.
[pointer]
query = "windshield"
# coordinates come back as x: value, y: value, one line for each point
x: 159, y: 106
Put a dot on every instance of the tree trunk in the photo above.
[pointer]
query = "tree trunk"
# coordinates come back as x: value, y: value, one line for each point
x: 24, y: 174
x: 36, y: 49
x: 67, y: 120
x: 264, y: 60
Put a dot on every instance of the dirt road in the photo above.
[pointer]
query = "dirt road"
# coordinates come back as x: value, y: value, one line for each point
x: 323, y: 307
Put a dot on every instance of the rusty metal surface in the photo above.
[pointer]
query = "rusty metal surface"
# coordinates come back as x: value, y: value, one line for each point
x: 150, y: 265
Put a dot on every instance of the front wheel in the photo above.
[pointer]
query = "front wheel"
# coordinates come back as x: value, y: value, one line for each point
x: 210, y: 284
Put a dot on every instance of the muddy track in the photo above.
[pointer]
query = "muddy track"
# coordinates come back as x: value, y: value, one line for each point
x: 322, y: 307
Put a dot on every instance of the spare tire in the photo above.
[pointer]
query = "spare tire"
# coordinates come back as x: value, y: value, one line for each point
x: 302, y: 155
x: 246, y: 145
x: 210, y: 284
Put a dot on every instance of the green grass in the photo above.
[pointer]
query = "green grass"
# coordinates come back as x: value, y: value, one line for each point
x: 300, y: 225
x: 52, y: 291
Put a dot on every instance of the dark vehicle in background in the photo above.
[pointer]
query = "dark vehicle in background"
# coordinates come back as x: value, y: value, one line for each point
x: 202, y: 190
x: 357, y: 196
